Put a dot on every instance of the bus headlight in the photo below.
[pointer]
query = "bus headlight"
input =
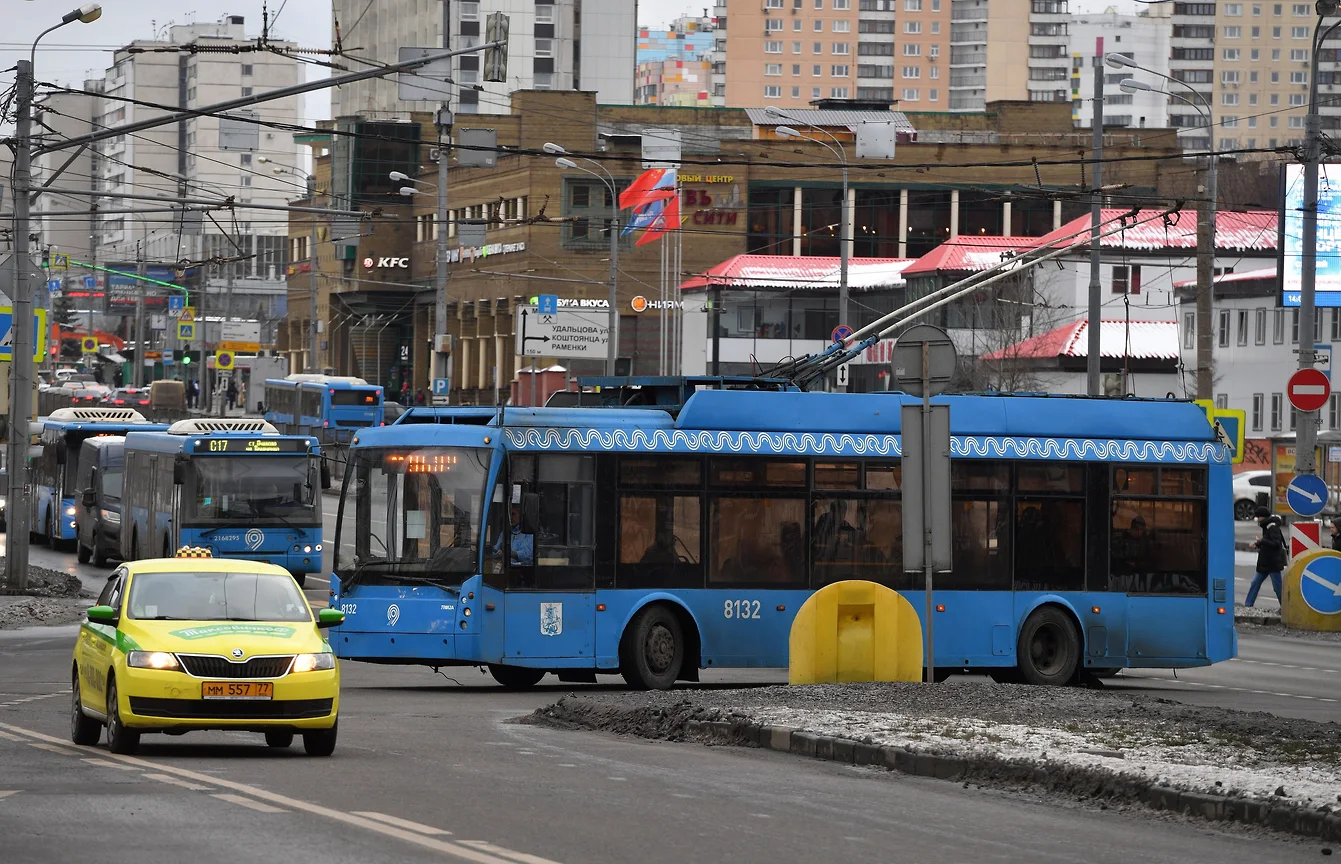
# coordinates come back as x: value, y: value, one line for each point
x: 2, y: 504
x: 307, y: 549
x: 69, y: 511
x: 152, y: 660
x: 313, y: 662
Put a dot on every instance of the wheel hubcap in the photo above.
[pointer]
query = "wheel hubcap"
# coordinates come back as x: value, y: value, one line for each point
x: 1046, y: 651
x: 660, y: 648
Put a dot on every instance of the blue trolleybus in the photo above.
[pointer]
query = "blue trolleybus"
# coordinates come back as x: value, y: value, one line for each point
x: 235, y: 486
x: 308, y: 404
x: 1089, y: 534
x: 55, y: 469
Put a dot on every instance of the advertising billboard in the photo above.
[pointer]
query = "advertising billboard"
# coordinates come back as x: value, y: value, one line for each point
x: 1328, y: 282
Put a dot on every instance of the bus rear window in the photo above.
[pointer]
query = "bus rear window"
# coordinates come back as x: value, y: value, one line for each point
x: 365, y: 398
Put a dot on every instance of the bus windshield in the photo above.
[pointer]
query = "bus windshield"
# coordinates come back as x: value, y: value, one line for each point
x: 412, y: 515
x: 253, y: 488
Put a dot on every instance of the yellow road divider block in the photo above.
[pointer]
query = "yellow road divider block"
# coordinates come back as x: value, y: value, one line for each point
x: 1311, y: 592
x: 855, y: 631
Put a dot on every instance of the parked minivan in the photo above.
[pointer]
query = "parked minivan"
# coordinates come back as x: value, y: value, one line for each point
x: 98, y: 510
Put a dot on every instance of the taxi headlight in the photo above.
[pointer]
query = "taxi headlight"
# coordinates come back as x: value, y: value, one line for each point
x: 152, y: 660
x: 111, y: 516
x: 313, y: 662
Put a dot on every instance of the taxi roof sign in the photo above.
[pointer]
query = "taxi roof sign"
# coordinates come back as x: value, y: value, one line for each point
x: 194, y: 552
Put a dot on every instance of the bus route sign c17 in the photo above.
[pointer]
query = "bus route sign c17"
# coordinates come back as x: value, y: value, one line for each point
x: 255, y: 445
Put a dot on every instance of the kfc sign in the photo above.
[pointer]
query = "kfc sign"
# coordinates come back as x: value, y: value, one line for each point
x: 386, y: 263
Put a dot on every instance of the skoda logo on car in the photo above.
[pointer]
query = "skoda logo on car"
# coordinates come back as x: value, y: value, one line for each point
x: 237, y: 653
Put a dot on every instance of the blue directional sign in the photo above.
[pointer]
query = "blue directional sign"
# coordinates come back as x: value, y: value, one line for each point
x: 53, y: 285
x: 90, y: 282
x: 176, y: 302
x: 1306, y: 494
x: 1320, y: 585
x: 168, y: 358
x: 442, y: 386
x: 547, y: 304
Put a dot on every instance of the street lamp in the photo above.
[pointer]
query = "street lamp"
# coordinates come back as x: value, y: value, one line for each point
x: 608, y: 181
x: 845, y: 224
x: 1205, y: 220
x: 21, y: 367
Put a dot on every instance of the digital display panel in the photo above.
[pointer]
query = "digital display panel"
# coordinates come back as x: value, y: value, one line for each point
x: 422, y: 463
x: 251, y: 445
x: 1328, y: 282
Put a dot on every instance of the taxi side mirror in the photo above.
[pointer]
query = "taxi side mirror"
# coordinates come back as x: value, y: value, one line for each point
x: 104, y: 614
x: 330, y: 618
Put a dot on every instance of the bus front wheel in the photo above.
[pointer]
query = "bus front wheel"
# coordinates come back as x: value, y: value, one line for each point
x: 653, y: 649
x: 1049, y: 648
x: 516, y: 677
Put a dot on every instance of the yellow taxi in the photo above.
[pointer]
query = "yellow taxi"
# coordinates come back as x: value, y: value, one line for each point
x: 189, y: 643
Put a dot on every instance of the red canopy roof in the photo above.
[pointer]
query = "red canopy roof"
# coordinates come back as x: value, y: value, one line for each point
x: 1234, y: 232
x: 1144, y: 340
x: 968, y: 253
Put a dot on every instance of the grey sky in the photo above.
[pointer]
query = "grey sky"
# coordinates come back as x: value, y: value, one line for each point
x: 79, y: 51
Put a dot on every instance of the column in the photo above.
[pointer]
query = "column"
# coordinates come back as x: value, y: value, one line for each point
x: 796, y: 221
x: 954, y: 213
x: 1056, y: 215
x: 1005, y: 218
x: 851, y: 205
x: 903, y: 223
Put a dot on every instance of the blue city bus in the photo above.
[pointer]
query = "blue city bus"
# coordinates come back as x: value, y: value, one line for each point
x: 1089, y: 535
x: 235, y: 486
x: 304, y: 404
x: 52, y: 507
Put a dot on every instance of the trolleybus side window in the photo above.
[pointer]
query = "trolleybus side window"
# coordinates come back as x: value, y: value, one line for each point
x: 757, y: 537
x: 1158, y: 542
x: 980, y: 513
x: 563, y: 544
x: 856, y: 524
x: 660, y: 522
x: 1049, y: 527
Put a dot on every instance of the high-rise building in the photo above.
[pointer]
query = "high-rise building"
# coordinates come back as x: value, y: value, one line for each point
x: 1144, y: 38
x: 673, y: 65
x: 553, y: 45
x: 926, y: 55
x: 1250, y: 62
x: 68, y: 115
x: 196, y: 66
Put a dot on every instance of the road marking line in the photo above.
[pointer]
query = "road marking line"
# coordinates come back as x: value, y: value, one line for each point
x: 164, y: 778
x: 401, y: 823
x: 454, y: 849
x: 520, y: 857
x: 7, y: 737
x: 5, y: 793
x: 244, y: 802
x: 103, y: 763
x: 50, y: 748
x: 1227, y: 687
x: 1288, y: 666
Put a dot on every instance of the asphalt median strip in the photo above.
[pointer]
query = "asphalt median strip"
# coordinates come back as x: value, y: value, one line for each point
x: 454, y: 849
x: 1100, y: 748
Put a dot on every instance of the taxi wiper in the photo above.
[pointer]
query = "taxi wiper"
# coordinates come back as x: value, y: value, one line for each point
x: 165, y: 618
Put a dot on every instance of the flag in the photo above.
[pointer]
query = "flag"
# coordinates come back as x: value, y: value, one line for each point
x: 643, y: 217
x: 647, y: 187
x: 668, y: 219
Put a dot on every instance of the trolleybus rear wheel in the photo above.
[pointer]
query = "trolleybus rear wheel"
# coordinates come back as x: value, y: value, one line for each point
x: 1049, y: 648
x: 516, y: 677
x: 652, y: 651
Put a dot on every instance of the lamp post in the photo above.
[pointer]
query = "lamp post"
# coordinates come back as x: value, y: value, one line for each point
x: 845, y: 222
x: 21, y: 365
x: 1207, y: 205
x: 608, y: 181
x: 311, y: 180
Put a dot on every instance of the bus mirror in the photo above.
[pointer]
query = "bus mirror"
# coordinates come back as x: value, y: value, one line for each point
x: 90, y: 498
x: 530, y: 513
x: 325, y: 475
x: 179, y: 470
x: 60, y: 451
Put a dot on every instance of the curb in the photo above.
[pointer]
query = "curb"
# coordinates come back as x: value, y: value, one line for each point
x: 1264, y: 621
x: 1083, y: 783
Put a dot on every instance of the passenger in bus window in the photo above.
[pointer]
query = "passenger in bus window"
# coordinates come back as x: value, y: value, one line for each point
x: 523, y: 545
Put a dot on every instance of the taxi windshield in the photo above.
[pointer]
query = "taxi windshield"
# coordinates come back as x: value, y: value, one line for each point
x: 216, y: 596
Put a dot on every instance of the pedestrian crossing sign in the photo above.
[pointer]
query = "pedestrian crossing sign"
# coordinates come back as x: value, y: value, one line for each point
x: 186, y: 330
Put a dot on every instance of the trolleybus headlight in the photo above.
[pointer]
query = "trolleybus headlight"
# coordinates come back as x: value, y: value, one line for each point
x: 465, y: 610
x: 313, y: 662
x: 152, y: 660
x: 69, y: 511
x: 317, y: 547
x: 307, y: 549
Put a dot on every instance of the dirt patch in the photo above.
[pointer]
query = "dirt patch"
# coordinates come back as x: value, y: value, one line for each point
x: 18, y: 612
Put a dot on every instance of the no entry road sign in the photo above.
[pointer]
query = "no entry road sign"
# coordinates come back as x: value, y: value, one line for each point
x: 1309, y: 390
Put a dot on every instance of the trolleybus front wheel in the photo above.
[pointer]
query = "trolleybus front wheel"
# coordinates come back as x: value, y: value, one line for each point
x: 652, y: 650
x: 516, y: 677
x: 1049, y: 648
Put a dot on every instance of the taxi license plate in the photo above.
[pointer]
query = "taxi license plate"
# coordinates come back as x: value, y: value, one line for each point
x: 253, y: 690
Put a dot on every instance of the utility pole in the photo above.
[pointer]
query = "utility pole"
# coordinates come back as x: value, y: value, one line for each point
x: 612, y: 347
x: 1206, y: 206
x: 312, y: 259
x: 141, y: 349
x: 1093, y: 378
x: 1307, y: 426
x: 442, y: 360
x: 21, y: 360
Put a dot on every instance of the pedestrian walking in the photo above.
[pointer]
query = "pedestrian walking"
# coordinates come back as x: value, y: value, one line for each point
x: 1336, y: 535
x: 1271, y: 555
x: 419, y: 398
x: 231, y: 393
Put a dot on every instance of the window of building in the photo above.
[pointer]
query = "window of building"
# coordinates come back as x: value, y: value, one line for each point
x: 774, y: 25
x: 1254, y: 54
x: 1294, y: 326
x: 934, y: 72
x: 818, y: 26
x: 1258, y: 401
x: 1189, y: 330
x: 1229, y: 77
x: 246, y: 69
x: 912, y: 27
x: 912, y: 49
x: 1242, y: 330
x: 1294, y: 418
x: 912, y: 72
x: 1297, y: 99
x: 817, y: 48
x: 1298, y: 55
x: 842, y: 26
x: 1229, y: 98
x: 817, y: 71
x: 1275, y: 32
x: 1222, y: 331
x: 839, y: 93
x: 1233, y: 32
x: 1296, y: 122
x: 1252, y: 100
x: 875, y: 26
x: 911, y: 94
x: 814, y: 92
x: 1277, y: 404
x: 1229, y: 121
x: 796, y: 25
x: 796, y: 47
x: 1333, y: 410
x: 934, y: 51
x: 544, y: 13
x: 1301, y: 10
x: 1257, y: 9
x: 1229, y: 54
x: 796, y: 69
x: 1126, y: 279
x: 245, y: 159
x: 772, y: 47
x: 912, y: 5
x: 842, y: 48
x: 773, y: 4
x: 772, y: 91
x: 842, y: 4
x: 839, y: 70
x: 796, y: 92
x: 1259, y: 327
x: 1298, y: 32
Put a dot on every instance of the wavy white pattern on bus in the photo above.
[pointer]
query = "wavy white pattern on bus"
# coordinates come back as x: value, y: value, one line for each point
x: 808, y: 444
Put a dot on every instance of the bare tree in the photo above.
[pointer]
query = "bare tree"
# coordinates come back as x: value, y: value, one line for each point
x: 1012, y: 312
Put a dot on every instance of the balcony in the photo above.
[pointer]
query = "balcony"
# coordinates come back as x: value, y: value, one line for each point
x: 964, y: 12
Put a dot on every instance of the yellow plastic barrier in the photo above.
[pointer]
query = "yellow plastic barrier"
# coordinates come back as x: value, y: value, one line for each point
x: 855, y: 631
x: 1311, y: 592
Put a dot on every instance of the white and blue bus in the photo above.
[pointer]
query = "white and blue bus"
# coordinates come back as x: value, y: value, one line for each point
x: 324, y: 405
x: 1089, y: 535
x: 235, y: 486
x: 56, y: 467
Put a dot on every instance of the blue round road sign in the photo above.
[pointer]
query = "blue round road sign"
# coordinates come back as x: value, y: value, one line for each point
x: 1306, y: 494
x: 1320, y: 585
x: 841, y: 332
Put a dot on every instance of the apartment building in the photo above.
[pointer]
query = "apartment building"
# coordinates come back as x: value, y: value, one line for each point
x: 68, y: 115
x: 673, y: 64
x: 1143, y: 37
x: 926, y: 55
x: 552, y: 45
x: 1249, y: 62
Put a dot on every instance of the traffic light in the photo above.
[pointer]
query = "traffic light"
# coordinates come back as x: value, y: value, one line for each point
x: 186, y: 360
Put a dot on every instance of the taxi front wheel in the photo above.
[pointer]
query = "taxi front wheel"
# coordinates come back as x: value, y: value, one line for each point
x: 320, y: 742
x: 119, y: 739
